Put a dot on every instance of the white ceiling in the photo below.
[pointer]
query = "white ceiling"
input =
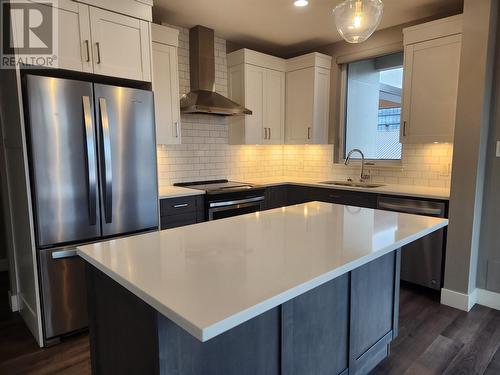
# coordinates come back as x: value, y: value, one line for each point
x: 280, y: 27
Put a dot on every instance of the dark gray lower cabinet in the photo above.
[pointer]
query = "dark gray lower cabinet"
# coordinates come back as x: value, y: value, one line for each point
x: 177, y: 212
x: 276, y: 196
x: 343, y: 326
x: 286, y: 195
x: 248, y: 349
x: 374, y: 312
x: 316, y: 330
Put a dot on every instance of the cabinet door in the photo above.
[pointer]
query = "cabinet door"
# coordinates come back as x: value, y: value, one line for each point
x: 166, y: 94
x: 300, y: 194
x: 321, y: 115
x: 274, y: 115
x: 299, y: 106
x: 374, y: 306
x: 276, y: 196
x: 315, y: 330
x: 255, y: 78
x: 121, y: 45
x: 74, y: 52
x: 430, y: 90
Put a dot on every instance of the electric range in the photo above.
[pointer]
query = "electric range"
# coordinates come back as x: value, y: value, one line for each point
x: 229, y: 198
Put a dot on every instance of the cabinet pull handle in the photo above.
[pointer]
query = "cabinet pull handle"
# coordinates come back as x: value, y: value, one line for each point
x: 309, y: 132
x: 269, y: 133
x: 176, y: 129
x: 98, y: 52
x: 404, y: 128
x: 181, y: 205
x: 87, y: 47
x: 62, y: 254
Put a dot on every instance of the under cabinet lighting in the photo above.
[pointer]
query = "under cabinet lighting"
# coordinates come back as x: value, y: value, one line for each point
x: 300, y: 3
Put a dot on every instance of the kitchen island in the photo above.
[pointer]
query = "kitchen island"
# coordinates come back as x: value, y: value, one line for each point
x: 305, y: 289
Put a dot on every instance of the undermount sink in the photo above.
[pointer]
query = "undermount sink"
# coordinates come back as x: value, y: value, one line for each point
x: 352, y: 183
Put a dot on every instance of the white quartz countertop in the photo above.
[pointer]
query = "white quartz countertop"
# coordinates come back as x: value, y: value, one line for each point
x: 390, y: 189
x: 211, y: 277
x: 177, y: 191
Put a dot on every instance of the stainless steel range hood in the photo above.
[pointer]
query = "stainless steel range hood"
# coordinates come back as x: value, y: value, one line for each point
x: 202, y: 98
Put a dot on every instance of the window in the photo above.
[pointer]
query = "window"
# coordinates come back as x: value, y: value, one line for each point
x: 372, y: 97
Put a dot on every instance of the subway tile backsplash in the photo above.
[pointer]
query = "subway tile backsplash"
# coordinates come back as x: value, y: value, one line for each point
x: 205, y: 154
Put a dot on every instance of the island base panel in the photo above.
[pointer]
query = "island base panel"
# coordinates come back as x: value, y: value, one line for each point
x: 313, y: 333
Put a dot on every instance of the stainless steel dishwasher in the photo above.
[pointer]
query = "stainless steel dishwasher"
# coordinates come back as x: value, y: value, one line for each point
x: 422, y: 261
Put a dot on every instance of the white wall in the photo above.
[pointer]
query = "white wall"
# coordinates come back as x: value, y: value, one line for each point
x: 471, y: 131
x: 205, y: 153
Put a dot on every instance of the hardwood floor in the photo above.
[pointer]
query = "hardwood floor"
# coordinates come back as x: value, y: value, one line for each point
x: 436, y: 339
x: 433, y: 339
x: 20, y: 354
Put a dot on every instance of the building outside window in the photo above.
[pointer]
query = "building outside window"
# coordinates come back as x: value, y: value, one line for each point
x: 372, y: 97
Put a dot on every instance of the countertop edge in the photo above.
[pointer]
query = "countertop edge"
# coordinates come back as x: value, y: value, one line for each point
x: 379, y: 190
x: 209, y: 332
x: 179, y: 194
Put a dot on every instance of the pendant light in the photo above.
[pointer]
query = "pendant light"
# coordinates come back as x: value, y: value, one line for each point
x: 356, y: 20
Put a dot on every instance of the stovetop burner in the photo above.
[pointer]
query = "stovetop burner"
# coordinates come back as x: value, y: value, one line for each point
x: 214, y: 186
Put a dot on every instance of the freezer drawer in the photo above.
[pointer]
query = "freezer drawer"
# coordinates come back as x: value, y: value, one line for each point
x: 64, y: 297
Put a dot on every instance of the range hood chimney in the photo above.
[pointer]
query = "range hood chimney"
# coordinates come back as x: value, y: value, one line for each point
x: 202, y: 98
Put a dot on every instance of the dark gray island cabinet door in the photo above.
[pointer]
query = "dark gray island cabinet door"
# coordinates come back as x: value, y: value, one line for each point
x: 374, y: 312
x: 315, y: 329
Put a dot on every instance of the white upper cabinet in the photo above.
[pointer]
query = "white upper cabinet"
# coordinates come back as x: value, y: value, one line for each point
x: 121, y: 45
x: 166, y: 84
x: 257, y: 81
x: 75, y: 51
x: 94, y: 40
x: 275, y: 107
x: 308, y: 99
x: 431, y: 70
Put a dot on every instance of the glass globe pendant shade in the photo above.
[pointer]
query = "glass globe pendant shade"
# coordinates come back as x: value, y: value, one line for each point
x: 356, y: 20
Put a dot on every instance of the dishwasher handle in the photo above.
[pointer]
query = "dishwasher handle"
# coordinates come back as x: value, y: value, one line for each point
x: 428, y: 211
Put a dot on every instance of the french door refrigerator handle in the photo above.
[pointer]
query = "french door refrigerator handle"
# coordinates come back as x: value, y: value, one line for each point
x: 91, y: 162
x: 107, y: 168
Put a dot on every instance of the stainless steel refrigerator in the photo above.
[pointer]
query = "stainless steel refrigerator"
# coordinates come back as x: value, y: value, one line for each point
x: 92, y: 158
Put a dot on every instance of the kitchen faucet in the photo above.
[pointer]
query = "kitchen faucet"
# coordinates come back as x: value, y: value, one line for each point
x: 362, y: 176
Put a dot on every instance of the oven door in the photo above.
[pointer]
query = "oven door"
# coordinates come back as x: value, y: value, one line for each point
x: 221, y: 210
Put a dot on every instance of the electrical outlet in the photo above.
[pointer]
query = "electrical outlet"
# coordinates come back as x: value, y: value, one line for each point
x: 498, y: 149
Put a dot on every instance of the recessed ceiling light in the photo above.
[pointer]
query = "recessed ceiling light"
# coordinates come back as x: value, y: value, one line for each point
x: 300, y: 3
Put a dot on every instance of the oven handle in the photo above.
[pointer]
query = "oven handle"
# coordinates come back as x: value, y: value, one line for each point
x: 236, y: 202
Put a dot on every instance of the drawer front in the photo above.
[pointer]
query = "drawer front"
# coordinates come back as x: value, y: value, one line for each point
x: 181, y: 205
x: 351, y: 198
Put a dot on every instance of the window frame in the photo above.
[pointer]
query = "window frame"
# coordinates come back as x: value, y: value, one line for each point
x: 339, y: 157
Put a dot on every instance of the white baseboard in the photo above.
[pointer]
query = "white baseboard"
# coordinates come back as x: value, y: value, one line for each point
x: 4, y: 265
x: 460, y: 301
x: 488, y: 298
